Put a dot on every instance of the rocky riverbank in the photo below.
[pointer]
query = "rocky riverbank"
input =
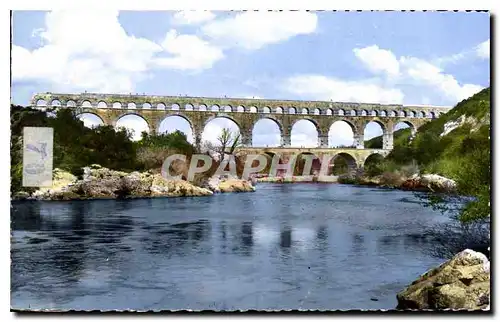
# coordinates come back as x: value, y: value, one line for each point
x: 463, y: 282
x: 101, y: 183
x: 424, y: 182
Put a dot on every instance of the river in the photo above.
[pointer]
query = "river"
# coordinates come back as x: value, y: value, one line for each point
x: 285, y: 246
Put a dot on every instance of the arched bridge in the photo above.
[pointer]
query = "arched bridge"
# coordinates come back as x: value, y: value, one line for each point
x: 198, y: 111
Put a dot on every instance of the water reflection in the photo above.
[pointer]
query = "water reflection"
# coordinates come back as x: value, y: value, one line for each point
x: 286, y: 237
x: 225, y: 251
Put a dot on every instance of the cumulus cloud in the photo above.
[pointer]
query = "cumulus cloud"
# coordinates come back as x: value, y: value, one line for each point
x: 190, y: 52
x: 424, y: 76
x: 428, y: 75
x: 98, y: 55
x: 329, y: 88
x: 378, y: 60
x: 192, y: 17
x: 253, y: 30
x: 483, y: 50
x: 93, y: 56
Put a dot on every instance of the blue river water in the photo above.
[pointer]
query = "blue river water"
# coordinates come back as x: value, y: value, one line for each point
x: 288, y: 246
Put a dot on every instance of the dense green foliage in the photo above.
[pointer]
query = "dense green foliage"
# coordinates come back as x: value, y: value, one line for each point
x: 154, y: 149
x: 76, y: 146
x: 462, y: 155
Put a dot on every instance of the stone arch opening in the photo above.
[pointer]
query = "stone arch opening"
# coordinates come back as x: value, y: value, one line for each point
x: 131, y: 106
x: 266, y: 110
x: 161, y: 106
x: 86, y: 104
x: 292, y: 110
x: 55, y: 103
x: 392, y: 114
x: 146, y: 106
x: 240, y: 109
x: 341, y: 112
x: 117, y: 105
x: 402, y: 114
x: 213, y: 128
x: 420, y: 114
x: 329, y: 111
x: 373, y: 165
x: 317, y: 111
x: 383, y: 113
x: 304, y: 133
x: 353, y: 113
x: 102, y: 104
x: 305, y: 111
x: 364, y: 113
x: 304, y: 167
x: 253, y: 109
x: 342, y: 163
x: 202, y: 108
x: 71, y: 103
x: 90, y: 120
x: 266, y: 132
x: 41, y: 102
x: 227, y: 108
x: 135, y: 124
x: 189, y: 107
x: 432, y: 115
x: 341, y: 134
x: 215, y: 108
x: 373, y: 113
x: 404, y: 125
x: 279, y: 110
x: 175, y: 107
x: 374, y: 135
x: 173, y: 123
x: 412, y: 114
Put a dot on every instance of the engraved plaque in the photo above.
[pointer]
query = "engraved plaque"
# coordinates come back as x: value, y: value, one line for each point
x: 37, y: 156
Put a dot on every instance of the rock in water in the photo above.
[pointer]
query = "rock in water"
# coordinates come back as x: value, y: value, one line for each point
x: 463, y: 282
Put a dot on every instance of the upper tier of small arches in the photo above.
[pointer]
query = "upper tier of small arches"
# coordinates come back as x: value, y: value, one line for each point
x: 404, y: 112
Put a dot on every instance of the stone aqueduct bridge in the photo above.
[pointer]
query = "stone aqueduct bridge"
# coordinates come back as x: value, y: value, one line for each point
x: 198, y: 111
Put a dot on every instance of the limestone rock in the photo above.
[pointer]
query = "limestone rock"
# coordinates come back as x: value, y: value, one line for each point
x: 429, y: 182
x: 236, y: 185
x: 99, y: 182
x: 463, y: 282
x: 176, y: 188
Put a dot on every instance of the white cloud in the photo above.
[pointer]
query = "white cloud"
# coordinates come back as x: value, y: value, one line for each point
x: 423, y: 77
x: 253, y: 30
x: 95, y: 56
x: 483, y: 50
x: 378, y: 60
x: 192, y: 17
x: 325, y: 88
x: 190, y: 52
x: 426, y: 74
x: 90, y: 50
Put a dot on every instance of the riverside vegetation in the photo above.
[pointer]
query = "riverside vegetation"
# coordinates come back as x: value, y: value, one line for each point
x: 103, y: 162
x: 455, y: 148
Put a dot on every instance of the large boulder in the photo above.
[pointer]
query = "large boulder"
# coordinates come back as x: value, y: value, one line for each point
x: 463, y: 282
x: 175, y: 188
x: 236, y: 185
x: 429, y: 182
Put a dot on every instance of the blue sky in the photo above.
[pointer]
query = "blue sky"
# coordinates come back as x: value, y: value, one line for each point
x: 436, y: 58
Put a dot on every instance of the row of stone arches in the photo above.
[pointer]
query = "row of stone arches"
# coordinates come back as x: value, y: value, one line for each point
x: 266, y: 132
x: 251, y: 109
x: 338, y: 164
